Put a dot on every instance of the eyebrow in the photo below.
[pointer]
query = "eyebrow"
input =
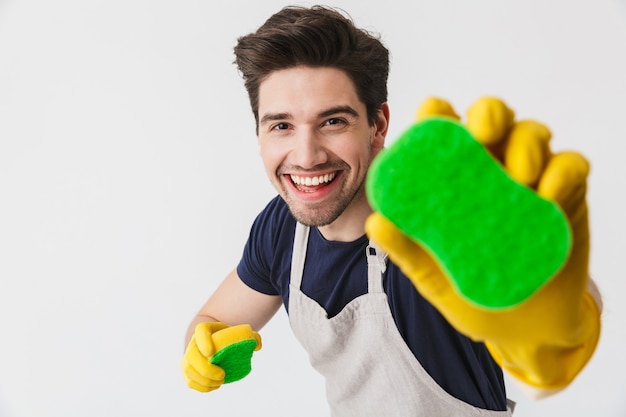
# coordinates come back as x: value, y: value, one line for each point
x: 329, y: 112
x: 274, y: 116
x: 339, y: 109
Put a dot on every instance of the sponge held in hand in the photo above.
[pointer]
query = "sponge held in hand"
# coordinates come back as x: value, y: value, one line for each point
x: 234, y: 348
x: 496, y: 239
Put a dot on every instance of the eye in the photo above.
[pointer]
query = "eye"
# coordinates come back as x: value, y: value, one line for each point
x: 280, y: 126
x: 335, y: 121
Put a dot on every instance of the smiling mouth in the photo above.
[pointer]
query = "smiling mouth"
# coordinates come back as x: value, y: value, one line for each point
x: 308, y: 184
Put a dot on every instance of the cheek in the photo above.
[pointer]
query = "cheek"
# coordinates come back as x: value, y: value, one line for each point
x: 356, y: 153
x: 271, y: 156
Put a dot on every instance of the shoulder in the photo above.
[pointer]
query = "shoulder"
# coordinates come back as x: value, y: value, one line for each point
x: 271, y: 235
x: 273, y: 219
x: 266, y: 257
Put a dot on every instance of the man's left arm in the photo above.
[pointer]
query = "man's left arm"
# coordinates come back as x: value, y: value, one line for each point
x: 543, y: 341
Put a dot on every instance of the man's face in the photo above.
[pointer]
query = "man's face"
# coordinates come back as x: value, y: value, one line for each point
x: 315, y: 141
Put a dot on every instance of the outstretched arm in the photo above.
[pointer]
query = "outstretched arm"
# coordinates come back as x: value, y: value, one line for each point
x: 233, y: 302
x: 543, y: 339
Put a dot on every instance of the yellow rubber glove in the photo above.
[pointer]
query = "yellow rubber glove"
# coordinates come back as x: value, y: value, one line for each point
x: 208, y: 339
x: 546, y: 340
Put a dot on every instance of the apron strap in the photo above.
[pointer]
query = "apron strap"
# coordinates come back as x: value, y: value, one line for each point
x: 376, y: 261
x: 376, y: 266
x: 300, y: 240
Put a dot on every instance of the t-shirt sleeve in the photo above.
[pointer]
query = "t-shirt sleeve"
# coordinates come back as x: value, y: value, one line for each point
x: 257, y: 261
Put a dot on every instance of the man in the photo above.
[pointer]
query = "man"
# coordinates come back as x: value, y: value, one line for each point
x: 317, y: 88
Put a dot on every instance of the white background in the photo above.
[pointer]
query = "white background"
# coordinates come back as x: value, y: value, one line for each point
x: 129, y: 177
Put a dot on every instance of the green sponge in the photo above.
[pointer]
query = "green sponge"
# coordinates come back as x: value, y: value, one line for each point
x: 235, y: 360
x: 496, y: 239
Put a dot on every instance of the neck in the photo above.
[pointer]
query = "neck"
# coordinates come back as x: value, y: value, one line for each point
x: 350, y: 225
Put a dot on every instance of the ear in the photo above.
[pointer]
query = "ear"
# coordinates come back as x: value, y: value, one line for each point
x: 381, y: 127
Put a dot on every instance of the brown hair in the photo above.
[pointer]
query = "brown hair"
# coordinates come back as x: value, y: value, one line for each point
x: 318, y: 37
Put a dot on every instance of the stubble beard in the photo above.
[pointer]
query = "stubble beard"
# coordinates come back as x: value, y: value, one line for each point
x: 318, y: 215
x: 324, y: 213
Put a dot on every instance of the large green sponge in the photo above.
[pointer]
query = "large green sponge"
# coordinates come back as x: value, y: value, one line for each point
x: 496, y: 239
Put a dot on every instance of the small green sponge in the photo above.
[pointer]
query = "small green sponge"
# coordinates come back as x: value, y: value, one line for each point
x: 496, y: 239
x: 235, y: 360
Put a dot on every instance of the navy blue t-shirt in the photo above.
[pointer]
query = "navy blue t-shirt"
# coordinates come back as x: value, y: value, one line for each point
x: 335, y: 273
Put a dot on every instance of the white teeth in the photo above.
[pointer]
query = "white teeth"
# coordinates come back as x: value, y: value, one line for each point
x: 322, y: 179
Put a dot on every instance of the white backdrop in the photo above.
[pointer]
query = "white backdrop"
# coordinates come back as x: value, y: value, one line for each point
x: 129, y: 178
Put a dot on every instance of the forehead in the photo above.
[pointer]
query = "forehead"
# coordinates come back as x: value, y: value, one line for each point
x: 307, y: 89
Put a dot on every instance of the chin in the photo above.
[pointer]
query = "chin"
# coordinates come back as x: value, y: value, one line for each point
x: 314, y: 217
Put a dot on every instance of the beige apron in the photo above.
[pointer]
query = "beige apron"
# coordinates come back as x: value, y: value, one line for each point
x: 368, y: 368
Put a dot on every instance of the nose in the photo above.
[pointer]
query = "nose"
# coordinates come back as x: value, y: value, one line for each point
x: 308, y: 150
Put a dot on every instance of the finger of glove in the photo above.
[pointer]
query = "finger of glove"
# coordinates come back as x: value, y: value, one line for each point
x: 202, y: 335
x: 416, y: 263
x: 197, y: 381
x: 565, y: 180
x: 195, y: 360
x: 201, y: 382
x: 201, y: 388
x: 434, y: 106
x: 527, y: 151
x: 489, y: 120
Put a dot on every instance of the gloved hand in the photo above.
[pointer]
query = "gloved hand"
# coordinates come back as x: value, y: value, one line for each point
x: 209, y: 339
x: 547, y: 339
